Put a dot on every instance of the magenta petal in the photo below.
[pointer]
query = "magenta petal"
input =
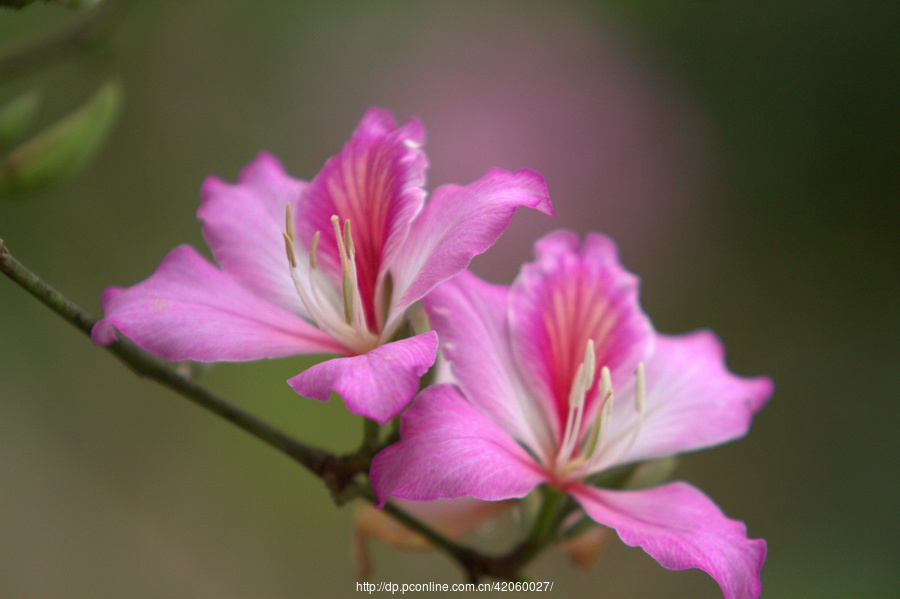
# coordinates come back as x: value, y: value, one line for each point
x: 692, y: 401
x: 190, y: 310
x: 450, y: 449
x: 375, y: 182
x: 681, y: 528
x: 470, y: 317
x: 243, y: 225
x: 376, y: 385
x: 459, y: 223
x: 574, y: 292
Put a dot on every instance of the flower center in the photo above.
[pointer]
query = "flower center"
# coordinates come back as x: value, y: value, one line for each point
x: 339, y: 315
x: 579, y: 449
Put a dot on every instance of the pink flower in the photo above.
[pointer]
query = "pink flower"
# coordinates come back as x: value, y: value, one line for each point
x: 561, y: 376
x: 326, y: 266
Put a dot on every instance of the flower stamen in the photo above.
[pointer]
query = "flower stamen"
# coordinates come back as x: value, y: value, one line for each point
x: 607, y: 395
x: 624, y: 441
x: 289, y: 250
x: 640, y: 388
x: 348, y: 267
x: 581, y: 384
x: 348, y: 327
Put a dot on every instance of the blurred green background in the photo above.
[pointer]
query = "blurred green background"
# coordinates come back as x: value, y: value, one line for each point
x: 743, y: 155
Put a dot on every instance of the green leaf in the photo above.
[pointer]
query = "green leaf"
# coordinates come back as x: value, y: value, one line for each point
x: 17, y: 115
x: 64, y: 148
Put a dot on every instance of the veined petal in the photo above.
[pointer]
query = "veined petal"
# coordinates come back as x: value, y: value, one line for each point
x: 450, y: 449
x: 243, y: 225
x: 572, y: 293
x: 692, y: 401
x: 469, y: 316
x: 190, y: 310
x: 457, y: 224
x: 376, y: 385
x: 375, y: 182
x: 681, y: 528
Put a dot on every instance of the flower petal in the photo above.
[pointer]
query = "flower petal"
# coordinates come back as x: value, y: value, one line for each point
x: 692, y: 401
x: 457, y: 224
x: 470, y: 317
x: 190, y: 310
x: 450, y: 449
x: 243, y: 225
x: 569, y: 295
x: 681, y: 528
x: 376, y: 385
x: 376, y: 182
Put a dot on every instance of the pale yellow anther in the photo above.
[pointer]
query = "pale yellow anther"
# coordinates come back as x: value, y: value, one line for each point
x: 312, y: 252
x: 640, y: 388
x: 348, y: 240
x: 605, y: 384
x: 289, y: 222
x: 590, y: 362
x: 336, y: 224
x: 289, y: 250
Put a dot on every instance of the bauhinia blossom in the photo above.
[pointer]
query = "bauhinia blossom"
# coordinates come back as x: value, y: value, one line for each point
x: 327, y: 266
x: 561, y: 377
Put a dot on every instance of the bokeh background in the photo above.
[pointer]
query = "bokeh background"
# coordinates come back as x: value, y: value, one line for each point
x: 743, y: 155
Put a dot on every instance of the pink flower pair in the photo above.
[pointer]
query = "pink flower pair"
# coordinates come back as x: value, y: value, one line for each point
x: 557, y: 378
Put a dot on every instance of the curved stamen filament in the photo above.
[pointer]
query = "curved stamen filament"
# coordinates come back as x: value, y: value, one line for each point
x: 581, y: 384
x: 607, y: 395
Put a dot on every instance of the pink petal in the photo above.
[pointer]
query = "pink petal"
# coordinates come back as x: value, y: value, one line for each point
x: 470, y: 317
x: 681, y: 528
x: 692, y: 401
x: 376, y: 385
x: 569, y: 295
x: 190, y: 310
x: 376, y: 182
x: 450, y: 449
x: 243, y: 225
x: 457, y: 224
